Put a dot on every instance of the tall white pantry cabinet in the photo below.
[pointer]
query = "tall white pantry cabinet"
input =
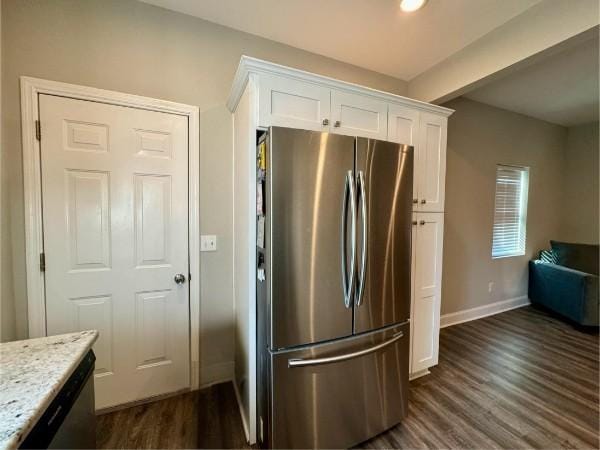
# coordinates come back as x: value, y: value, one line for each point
x: 266, y: 94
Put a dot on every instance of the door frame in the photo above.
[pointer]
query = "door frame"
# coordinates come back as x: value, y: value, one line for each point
x: 31, y: 88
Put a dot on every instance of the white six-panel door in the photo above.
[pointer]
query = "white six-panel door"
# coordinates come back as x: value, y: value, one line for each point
x: 428, y: 233
x: 115, y: 217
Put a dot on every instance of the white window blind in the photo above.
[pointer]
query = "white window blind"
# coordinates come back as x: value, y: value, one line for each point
x: 510, y: 211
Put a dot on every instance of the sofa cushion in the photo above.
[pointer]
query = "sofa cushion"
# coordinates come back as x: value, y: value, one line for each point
x: 583, y: 257
x: 548, y: 256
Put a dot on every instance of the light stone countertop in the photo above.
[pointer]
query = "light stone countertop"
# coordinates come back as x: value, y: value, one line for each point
x: 32, y: 372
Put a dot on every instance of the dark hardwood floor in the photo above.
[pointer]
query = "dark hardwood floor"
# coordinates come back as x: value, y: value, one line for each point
x: 514, y: 380
x: 208, y: 418
x: 520, y: 379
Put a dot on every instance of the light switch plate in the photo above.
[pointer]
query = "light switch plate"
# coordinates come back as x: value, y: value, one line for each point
x: 208, y: 243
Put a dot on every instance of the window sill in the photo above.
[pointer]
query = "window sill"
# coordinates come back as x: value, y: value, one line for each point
x: 508, y: 256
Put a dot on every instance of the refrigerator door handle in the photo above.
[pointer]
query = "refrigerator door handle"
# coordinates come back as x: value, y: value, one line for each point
x: 348, y: 279
x: 298, y: 362
x: 363, y: 258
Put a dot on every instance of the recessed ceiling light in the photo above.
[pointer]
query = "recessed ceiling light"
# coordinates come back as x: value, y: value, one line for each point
x: 411, y: 5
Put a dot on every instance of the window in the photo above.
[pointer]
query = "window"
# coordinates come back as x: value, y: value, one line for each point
x: 510, y: 211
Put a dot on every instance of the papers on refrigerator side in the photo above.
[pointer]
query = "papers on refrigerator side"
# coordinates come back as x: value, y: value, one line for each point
x: 260, y: 232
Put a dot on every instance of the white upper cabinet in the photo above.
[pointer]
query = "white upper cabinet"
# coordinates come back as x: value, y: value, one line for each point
x: 430, y: 163
x: 427, y: 133
x: 291, y: 103
x: 403, y: 124
x: 293, y: 98
x: 358, y: 115
x: 403, y: 128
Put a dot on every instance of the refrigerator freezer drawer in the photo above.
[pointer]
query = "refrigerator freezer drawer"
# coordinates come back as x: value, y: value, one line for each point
x: 339, y: 394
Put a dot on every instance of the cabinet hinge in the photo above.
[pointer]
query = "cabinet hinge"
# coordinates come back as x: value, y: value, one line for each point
x: 38, y: 130
x: 42, y: 262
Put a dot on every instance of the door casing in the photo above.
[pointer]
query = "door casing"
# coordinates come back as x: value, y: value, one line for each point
x: 31, y: 88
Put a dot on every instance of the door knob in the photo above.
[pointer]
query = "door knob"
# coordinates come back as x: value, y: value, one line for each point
x: 423, y: 201
x: 325, y: 122
x: 179, y: 278
x: 337, y: 124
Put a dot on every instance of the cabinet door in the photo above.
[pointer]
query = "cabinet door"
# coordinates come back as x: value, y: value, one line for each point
x: 427, y: 248
x: 431, y: 163
x: 403, y: 127
x: 294, y: 104
x: 358, y: 115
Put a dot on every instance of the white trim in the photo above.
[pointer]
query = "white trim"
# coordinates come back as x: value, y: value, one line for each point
x: 238, y: 397
x: 31, y: 88
x: 216, y: 373
x: 418, y: 374
x: 252, y: 375
x: 483, y: 311
x: 258, y: 66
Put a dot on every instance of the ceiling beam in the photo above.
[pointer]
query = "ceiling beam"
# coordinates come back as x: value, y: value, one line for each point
x: 544, y: 29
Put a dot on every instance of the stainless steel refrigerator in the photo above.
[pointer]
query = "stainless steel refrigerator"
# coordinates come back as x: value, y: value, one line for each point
x: 333, y: 287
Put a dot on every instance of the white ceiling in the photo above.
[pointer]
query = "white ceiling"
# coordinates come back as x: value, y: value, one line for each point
x: 373, y: 34
x: 561, y: 89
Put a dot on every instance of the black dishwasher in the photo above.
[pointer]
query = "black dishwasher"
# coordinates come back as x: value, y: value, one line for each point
x: 70, y: 420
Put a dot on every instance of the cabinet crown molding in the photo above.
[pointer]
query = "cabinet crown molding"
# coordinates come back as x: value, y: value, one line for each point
x: 249, y: 65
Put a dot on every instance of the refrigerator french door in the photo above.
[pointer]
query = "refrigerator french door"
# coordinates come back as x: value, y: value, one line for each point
x: 334, y: 301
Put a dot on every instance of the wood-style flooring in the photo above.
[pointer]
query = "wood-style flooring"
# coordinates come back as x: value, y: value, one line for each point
x: 208, y: 418
x: 520, y: 379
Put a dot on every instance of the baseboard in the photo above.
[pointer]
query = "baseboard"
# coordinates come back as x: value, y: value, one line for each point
x: 483, y: 311
x: 238, y: 396
x: 216, y: 373
x: 195, y: 382
x: 419, y: 374
x: 142, y: 401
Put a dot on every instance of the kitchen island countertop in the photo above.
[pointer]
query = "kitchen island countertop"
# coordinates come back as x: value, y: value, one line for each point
x: 32, y: 372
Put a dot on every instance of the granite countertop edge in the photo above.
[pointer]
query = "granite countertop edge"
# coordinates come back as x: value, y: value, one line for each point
x: 28, y: 385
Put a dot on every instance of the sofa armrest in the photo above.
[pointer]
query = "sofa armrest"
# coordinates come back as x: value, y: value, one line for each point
x: 567, y: 291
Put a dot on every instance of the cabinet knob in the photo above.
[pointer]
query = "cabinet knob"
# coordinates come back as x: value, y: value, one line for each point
x: 337, y: 124
x: 415, y: 200
x: 422, y: 222
x: 325, y: 121
x: 423, y: 201
x: 414, y: 222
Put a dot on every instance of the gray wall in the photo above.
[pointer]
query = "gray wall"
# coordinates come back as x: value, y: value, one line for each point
x: 132, y: 47
x: 580, y: 220
x: 7, y: 309
x: 479, y: 137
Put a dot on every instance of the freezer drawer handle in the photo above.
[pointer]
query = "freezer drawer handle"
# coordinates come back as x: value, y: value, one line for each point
x: 348, y: 279
x: 297, y: 362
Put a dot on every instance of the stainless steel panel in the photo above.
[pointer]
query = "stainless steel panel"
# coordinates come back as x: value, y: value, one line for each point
x: 387, y: 169
x: 306, y: 178
x: 78, y: 429
x: 340, y: 404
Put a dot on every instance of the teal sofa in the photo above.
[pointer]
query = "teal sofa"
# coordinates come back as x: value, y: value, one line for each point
x: 565, y: 280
